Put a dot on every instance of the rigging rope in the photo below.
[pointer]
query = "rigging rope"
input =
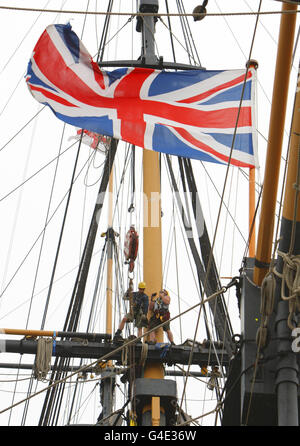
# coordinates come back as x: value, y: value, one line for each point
x: 189, y: 238
x: 136, y: 14
x: 76, y: 301
x: 38, y: 265
x: 23, y: 38
x: 104, y: 32
x: 171, y: 33
x: 290, y: 276
x: 210, y: 260
x: 61, y: 232
x: 91, y: 323
x: 187, y: 32
x: 37, y: 172
x: 50, y: 412
x: 22, y: 128
x: 108, y: 355
x: 41, y: 233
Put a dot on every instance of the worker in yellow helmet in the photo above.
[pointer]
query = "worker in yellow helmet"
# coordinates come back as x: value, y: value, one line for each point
x: 140, y: 304
x: 160, y: 308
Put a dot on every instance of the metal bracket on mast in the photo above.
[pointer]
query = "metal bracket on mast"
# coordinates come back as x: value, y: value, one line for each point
x: 146, y: 25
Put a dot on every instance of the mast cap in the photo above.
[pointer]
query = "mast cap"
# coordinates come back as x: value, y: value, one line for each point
x: 252, y: 63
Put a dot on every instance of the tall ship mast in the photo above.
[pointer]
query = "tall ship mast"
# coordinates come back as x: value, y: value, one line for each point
x: 140, y: 313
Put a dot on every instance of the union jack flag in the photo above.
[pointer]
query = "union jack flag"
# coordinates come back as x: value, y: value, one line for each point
x: 192, y: 114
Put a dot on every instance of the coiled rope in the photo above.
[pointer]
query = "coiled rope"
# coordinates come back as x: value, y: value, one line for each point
x: 290, y: 291
x: 290, y: 281
x: 43, y: 358
x: 124, y: 355
x: 144, y: 354
x: 266, y: 308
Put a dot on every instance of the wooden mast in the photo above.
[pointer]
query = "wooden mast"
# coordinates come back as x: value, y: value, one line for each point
x: 152, y: 255
x: 152, y: 248
x: 279, y: 101
x: 152, y: 240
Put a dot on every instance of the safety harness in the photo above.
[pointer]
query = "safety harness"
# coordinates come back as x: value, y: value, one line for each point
x: 161, y: 310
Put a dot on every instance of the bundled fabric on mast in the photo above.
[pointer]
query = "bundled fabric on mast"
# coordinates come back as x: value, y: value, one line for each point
x: 194, y: 114
x: 92, y: 139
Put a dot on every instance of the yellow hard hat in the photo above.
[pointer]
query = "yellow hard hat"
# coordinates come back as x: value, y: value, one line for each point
x: 142, y: 285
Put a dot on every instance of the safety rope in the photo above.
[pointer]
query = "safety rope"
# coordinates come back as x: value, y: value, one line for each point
x: 43, y: 358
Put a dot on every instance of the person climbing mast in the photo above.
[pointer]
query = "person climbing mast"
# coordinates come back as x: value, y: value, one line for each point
x: 138, y: 310
x: 160, y: 308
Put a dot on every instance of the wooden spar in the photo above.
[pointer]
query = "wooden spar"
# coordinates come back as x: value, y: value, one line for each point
x: 279, y: 101
x: 53, y: 333
x: 23, y: 332
x: 152, y: 256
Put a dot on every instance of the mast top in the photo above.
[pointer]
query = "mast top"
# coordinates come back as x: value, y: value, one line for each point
x: 148, y: 58
x: 148, y: 6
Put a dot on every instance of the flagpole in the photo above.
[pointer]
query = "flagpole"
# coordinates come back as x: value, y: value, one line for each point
x: 252, y: 201
x: 252, y: 212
